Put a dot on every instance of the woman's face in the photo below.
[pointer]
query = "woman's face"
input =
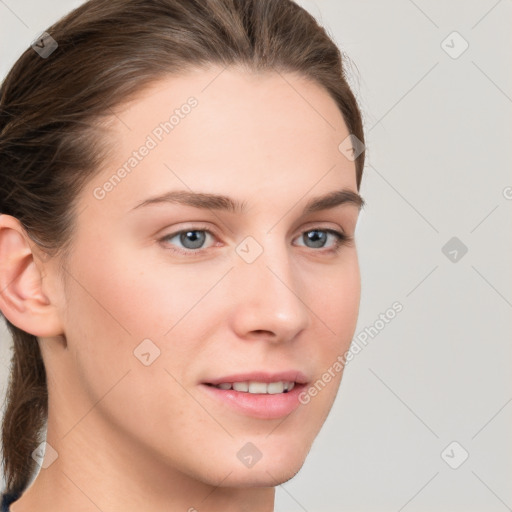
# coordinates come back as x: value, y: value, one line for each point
x: 261, y: 294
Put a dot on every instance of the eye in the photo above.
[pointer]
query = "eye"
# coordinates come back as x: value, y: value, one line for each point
x: 317, y: 238
x: 191, y: 240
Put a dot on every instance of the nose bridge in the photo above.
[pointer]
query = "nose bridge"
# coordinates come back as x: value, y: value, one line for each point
x: 269, y: 295
x: 265, y: 258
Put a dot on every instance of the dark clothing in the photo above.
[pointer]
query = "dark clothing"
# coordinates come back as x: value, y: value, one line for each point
x: 7, y: 499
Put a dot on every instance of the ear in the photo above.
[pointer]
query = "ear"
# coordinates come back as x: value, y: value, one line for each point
x: 22, y: 299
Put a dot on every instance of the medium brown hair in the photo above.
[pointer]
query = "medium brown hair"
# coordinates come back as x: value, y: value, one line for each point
x: 51, y: 141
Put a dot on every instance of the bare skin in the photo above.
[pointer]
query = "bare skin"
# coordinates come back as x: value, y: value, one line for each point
x: 131, y: 436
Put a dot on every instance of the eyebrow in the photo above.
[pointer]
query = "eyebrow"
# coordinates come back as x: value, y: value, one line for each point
x: 220, y: 202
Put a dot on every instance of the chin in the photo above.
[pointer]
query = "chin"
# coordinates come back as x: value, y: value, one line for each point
x: 274, y: 468
x: 266, y: 476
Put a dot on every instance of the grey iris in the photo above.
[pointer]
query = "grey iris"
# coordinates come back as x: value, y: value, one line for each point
x: 317, y: 237
x: 196, y: 238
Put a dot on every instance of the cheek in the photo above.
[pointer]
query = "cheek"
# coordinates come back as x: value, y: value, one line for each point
x: 112, y: 306
x: 115, y: 303
x: 337, y: 308
x: 336, y: 302
x: 133, y: 294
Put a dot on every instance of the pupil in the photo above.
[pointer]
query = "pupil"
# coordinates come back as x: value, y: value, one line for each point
x: 190, y: 239
x: 317, y: 237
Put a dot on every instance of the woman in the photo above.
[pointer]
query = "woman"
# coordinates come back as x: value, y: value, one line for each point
x: 178, y: 195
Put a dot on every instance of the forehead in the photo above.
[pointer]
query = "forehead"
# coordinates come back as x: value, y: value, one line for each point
x: 216, y: 129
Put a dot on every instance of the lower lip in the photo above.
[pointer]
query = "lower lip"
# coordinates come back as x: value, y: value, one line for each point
x: 263, y: 406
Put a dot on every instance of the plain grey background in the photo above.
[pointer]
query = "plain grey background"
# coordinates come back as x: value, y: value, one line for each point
x: 423, y: 417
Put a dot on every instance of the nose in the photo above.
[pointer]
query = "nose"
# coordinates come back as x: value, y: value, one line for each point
x: 269, y: 300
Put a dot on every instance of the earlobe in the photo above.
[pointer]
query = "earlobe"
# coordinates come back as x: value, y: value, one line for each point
x: 22, y: 298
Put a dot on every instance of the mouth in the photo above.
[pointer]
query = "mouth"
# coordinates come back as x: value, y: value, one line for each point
x: 257, y: 388
x: 259, y: 395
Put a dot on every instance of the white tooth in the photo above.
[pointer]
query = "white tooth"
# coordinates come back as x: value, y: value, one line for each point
x: 241, y: 386
x: 257, y: 387
x: 288, y: 386
x: 275, y: 387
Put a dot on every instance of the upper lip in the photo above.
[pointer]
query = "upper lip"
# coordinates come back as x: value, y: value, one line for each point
x: 262, y: 376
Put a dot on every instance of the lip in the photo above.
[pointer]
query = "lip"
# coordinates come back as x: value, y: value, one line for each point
x: 262, y: 406
x: 261, y: 376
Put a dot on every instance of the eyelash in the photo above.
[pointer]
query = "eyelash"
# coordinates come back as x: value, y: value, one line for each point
x: 341, y: 240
